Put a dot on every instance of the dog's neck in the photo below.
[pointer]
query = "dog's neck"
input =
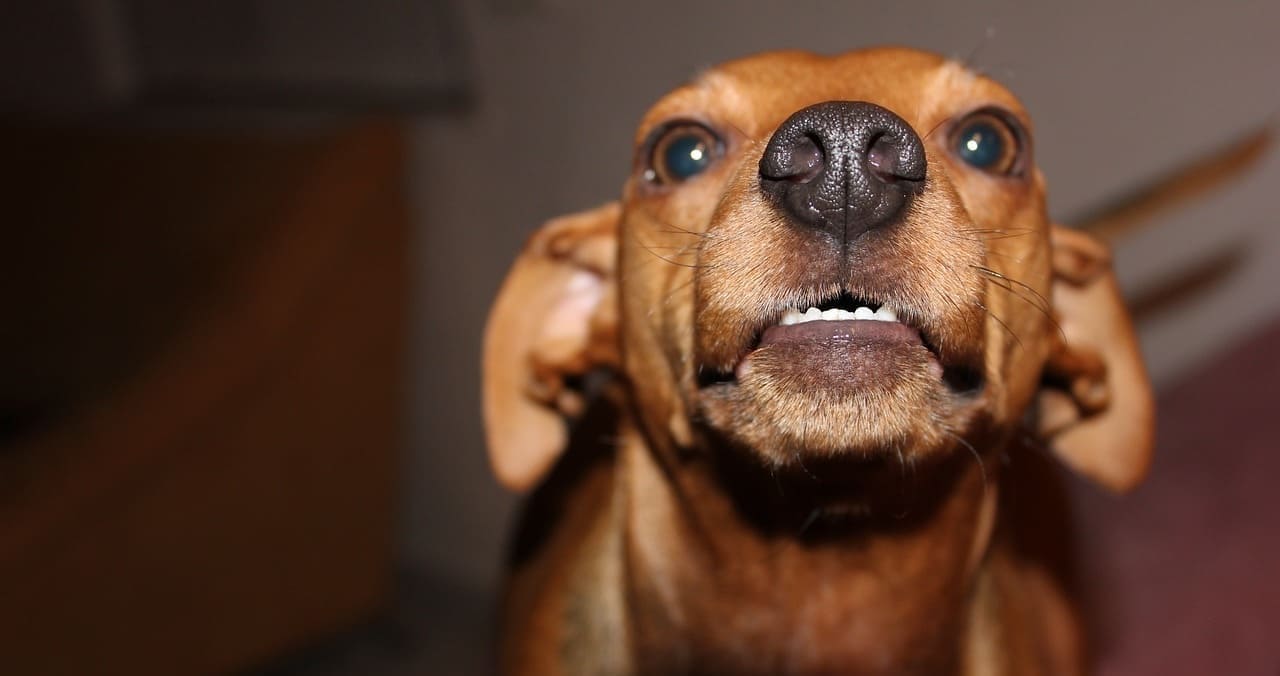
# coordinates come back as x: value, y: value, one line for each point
x: 781, y: 577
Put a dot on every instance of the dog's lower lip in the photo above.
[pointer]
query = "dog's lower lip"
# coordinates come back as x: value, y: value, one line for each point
x: 837, y: 357
x: 855, y: 329
x: 836, y: 338
x: 959, y: 378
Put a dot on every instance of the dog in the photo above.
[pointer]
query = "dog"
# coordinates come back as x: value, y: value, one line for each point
x: 788, y: 403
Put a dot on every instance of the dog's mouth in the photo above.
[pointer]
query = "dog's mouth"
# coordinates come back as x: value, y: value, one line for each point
x: 839, y: 321
x: 843, y: 342
x: 849, y: 374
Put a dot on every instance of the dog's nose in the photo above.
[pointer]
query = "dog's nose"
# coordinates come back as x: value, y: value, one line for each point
x: 843, y: 167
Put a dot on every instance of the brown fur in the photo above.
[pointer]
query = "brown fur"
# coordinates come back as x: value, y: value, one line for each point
x: 806, y: 520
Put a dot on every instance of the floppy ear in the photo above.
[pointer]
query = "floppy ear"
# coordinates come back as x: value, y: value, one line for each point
x: 554, y: 320
x: 1096, y: 408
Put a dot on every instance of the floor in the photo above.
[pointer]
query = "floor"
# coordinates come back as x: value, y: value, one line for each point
x: 1185, y: 567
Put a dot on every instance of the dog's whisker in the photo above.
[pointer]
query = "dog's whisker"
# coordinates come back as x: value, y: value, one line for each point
x: 813, y: 517
x: 999, y: 275
x: 995, y: 233
x: 800, y: 462
x: 970, y: 60
x: 936, y: 127
x: 1001, y: 71
x: 1038, y: 301
x: 672, y: 229
x: 1001, y: 322
x: 1035, y: 299
x: 903, y: 484
x: 658, y: 259
x: 671, y: 295
x: 659, y: 256
x: 680, y: 249
x: 982, y: 465
x: 741, y: 132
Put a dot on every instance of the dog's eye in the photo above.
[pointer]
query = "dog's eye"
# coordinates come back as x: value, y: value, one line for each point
x: 988, y: 142
x: 681, y: 152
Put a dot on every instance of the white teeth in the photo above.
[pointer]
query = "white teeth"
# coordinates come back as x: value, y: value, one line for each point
x: 813, y: 314
x: 884, y: 314
x: 791, y: 317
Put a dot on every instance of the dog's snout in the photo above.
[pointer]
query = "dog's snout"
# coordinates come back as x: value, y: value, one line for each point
x: 843, y: 167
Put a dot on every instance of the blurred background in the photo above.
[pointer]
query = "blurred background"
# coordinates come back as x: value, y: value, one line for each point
x: 249, y: 246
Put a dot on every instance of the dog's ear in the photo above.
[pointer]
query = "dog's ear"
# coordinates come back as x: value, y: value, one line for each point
x: 1096, y: 408
x: 554, y: 320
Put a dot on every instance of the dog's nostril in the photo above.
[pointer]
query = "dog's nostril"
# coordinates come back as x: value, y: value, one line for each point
x: 884, y: 158
x: 800, y: 163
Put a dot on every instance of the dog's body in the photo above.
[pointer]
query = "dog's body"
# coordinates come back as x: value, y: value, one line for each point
x: 763, y: 489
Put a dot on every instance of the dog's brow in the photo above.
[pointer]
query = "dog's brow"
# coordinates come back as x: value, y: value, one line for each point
x: 721, y: 86
x: 954, y: 81
x: 704, y: 77
x: 951, y: 77
x: 714, y: 80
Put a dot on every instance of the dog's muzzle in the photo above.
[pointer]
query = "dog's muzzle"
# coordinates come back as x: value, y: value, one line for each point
x: 843, y: 167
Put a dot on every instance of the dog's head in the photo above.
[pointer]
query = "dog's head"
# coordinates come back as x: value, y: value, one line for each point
x: 824, y: 258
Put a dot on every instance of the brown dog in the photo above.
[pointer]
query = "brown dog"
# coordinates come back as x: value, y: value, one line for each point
x: 812, y: 356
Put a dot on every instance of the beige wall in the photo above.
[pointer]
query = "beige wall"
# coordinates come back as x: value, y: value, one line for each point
x: 1119, y: 95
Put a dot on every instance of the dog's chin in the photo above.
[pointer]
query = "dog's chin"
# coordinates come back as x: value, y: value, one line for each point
x: 834, y: 393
